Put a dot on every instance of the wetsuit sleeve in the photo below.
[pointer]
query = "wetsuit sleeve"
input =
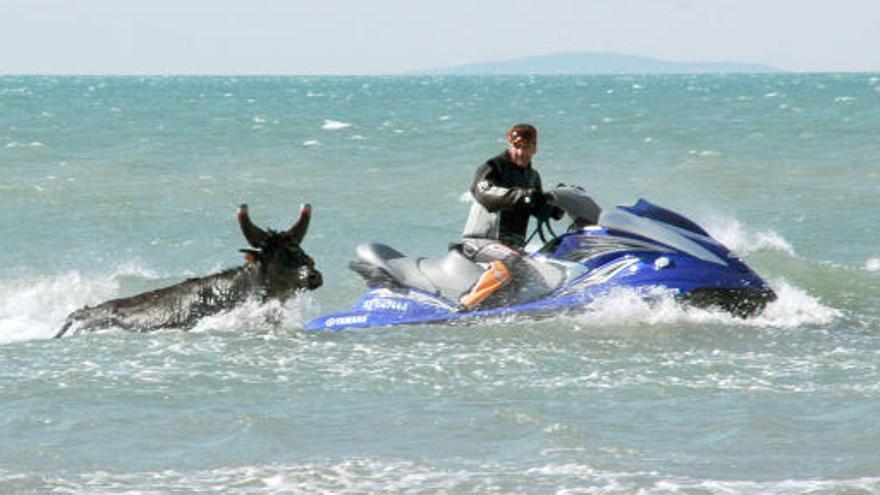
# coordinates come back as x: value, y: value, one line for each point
x: 493, y: 196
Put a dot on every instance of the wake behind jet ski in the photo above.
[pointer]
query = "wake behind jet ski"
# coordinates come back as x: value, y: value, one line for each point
x: 638, y: 247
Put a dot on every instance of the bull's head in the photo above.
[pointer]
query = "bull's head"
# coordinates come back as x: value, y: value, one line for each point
x: 283, y: 266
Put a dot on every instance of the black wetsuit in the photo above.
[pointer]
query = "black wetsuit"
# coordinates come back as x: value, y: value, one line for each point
x: 506, y: 195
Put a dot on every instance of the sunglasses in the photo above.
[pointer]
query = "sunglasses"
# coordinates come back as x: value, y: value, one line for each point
x: 524, y: 134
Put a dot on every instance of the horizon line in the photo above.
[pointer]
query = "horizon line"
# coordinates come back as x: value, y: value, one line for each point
x: 425, y: 73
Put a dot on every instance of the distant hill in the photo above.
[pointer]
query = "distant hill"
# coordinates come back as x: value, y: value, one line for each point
x: 596, y: 63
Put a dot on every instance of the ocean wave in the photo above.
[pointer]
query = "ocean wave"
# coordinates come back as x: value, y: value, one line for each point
x: 264, y: 316
x: 743, y: 239
x: 795, y: 307
x: 334, y: 125
x: 31, y: 145
x: 658, y: 306
x: 399, y: 475
x: 33, y: 309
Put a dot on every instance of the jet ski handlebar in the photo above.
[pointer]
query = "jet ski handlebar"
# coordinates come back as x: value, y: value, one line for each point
x: 575, y: 201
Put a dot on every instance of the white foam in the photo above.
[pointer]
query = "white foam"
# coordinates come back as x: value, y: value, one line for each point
x: 794, y: 307
x: 32, y: 144
x: 334, y: 125
x: 705, y: 153
x: 658, y: 306
x: 254, y: 314
x: 872, y: 265
x: 400, y: 475
x: 35, y: 309
x: 134, y: 268
x: 311, y: 143
x: 742, y: 240
x: 625, y: 305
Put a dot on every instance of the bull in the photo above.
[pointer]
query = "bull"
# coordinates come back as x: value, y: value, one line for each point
x: 274, y: 269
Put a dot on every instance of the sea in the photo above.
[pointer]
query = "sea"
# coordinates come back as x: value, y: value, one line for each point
x: 111, y: 186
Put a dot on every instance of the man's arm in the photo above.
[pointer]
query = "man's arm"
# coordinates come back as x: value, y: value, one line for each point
x: 494, y: 197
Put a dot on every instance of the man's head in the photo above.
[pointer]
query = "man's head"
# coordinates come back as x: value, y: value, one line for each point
x: 522, y: 142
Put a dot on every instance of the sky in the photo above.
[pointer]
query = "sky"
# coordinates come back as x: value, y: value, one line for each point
x: 370, y: 37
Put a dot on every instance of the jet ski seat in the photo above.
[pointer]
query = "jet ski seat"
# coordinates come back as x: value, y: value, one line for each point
x: 449, y: 276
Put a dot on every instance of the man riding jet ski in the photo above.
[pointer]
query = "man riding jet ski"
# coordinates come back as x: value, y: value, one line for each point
x: 639, y: 247
x: 506, y: 191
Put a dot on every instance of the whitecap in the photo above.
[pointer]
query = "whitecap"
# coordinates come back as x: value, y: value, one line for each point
x: 651, y: 305
x: 334, y: 125
x: 265, y: 316
x: 311, y: 142
x: 742, y: 240
x: 135, y: 269
x: 32, y: 144
x: 35, y: 308
x: 872, y: 265
x: 794, y: 307
x: 705, y: 153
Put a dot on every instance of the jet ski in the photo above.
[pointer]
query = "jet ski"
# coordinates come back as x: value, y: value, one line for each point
x: 639, y: 247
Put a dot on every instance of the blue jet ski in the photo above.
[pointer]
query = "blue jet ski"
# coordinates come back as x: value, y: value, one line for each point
x: 638, y: 247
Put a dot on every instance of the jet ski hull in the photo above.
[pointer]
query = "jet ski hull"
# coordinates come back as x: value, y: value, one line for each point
x: 640, y: 248
x: 692, y: 285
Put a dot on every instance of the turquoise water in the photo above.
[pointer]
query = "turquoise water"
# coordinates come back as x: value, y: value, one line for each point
x: 112, y: 186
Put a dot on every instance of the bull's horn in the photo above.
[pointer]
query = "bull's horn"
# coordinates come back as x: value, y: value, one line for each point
x: 253, y: 234
x: 299, y: 229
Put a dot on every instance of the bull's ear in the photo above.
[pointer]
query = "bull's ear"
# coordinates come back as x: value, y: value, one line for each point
x: 250, y: 256
x: 299, y: 229
x: 254, y: 235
